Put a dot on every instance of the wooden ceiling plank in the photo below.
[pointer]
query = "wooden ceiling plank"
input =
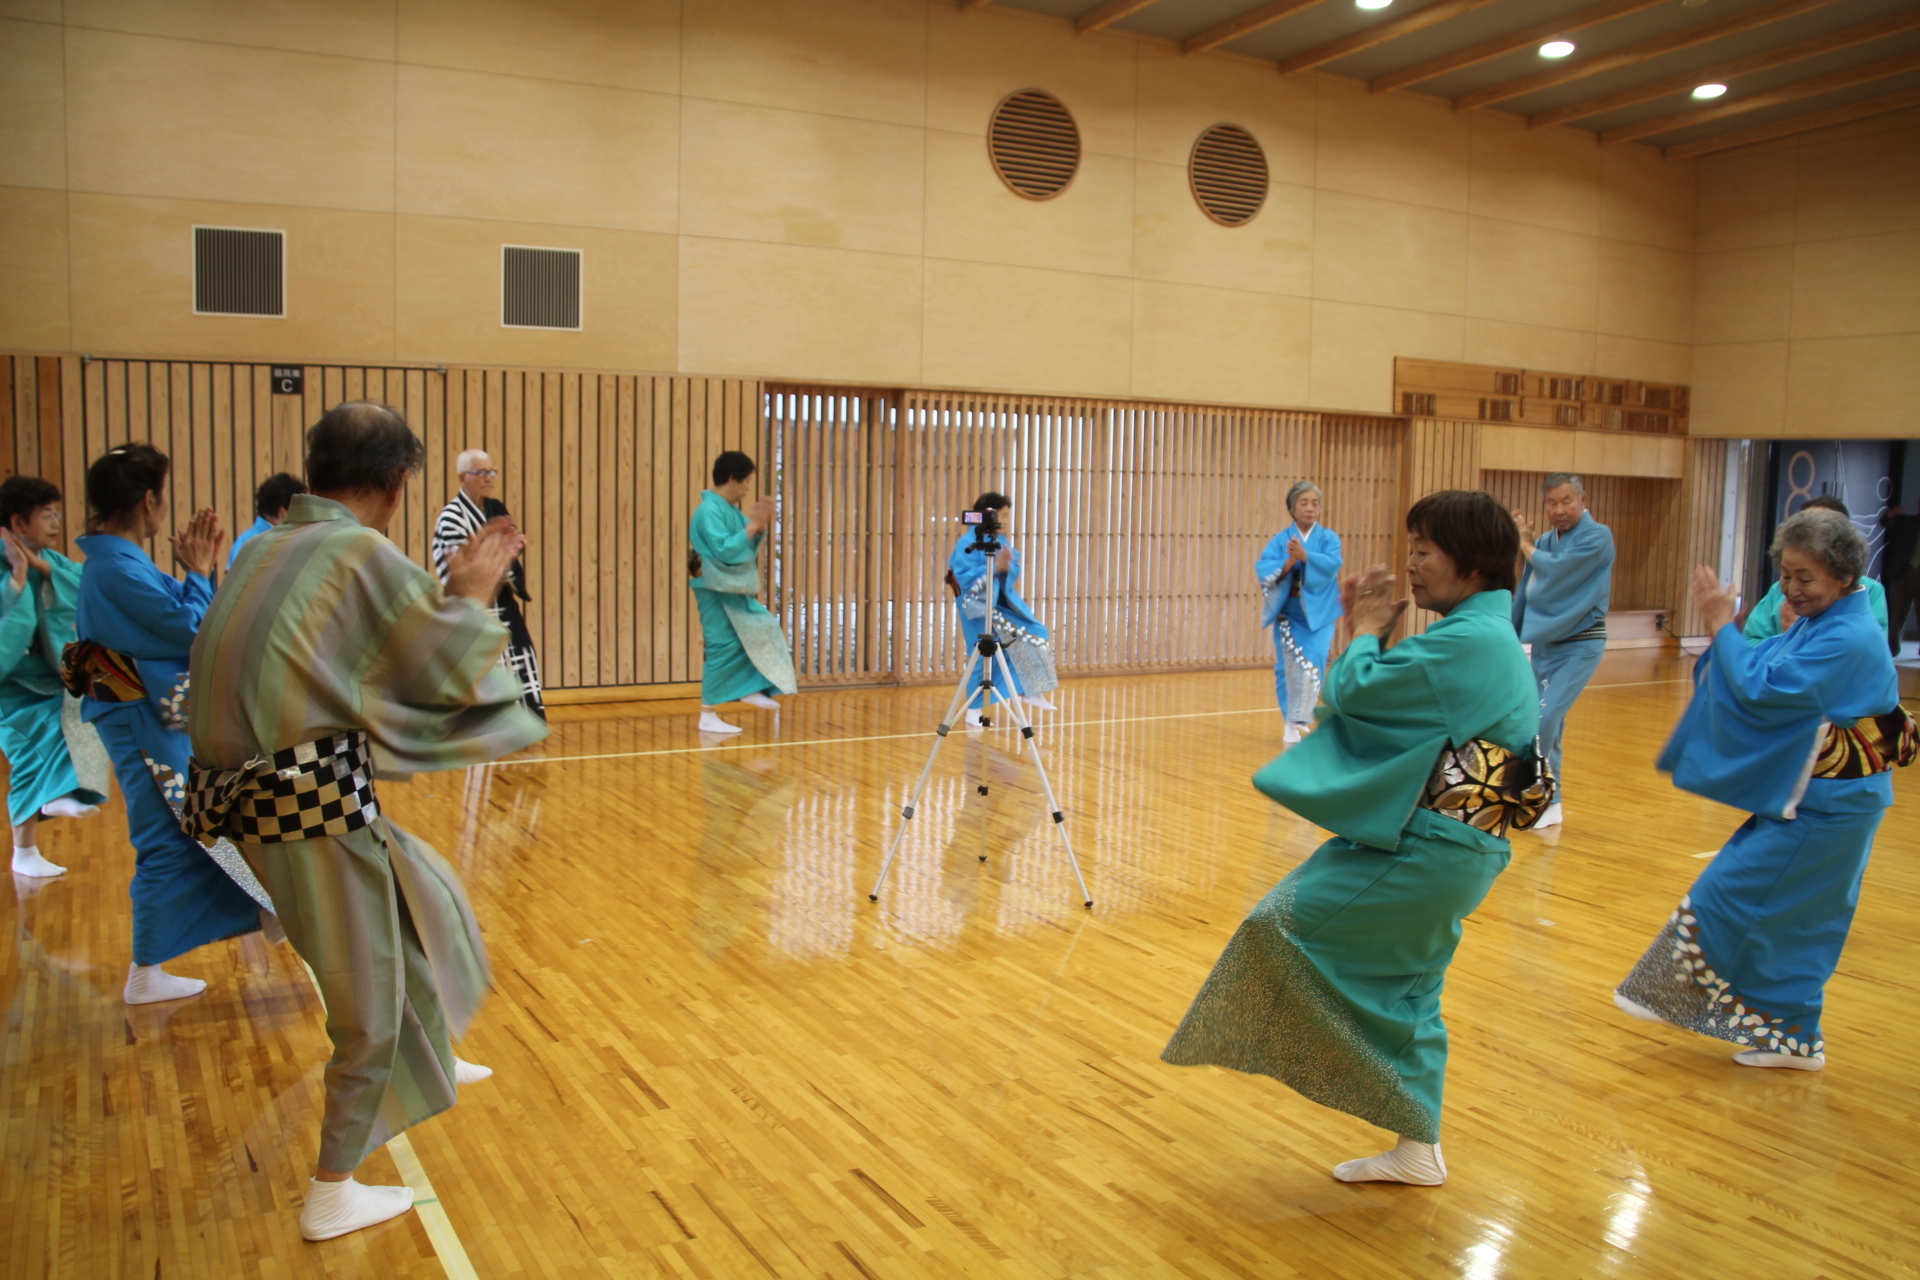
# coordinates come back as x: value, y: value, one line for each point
x: 1811, y: 87
x: 1240, y: 24
x: 968, y: 6
x: 1474, y: 54
x: 1765, y: 60
x: 1379, y: 33
x: 1105, y: 15
x: 1864, y: 109
x: 1640, y: 51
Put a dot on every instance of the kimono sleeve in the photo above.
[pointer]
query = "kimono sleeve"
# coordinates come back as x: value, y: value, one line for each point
x: 153, y: 616
x: 19, y: 620
x: 1273, y: 559
x: 437, y: 696
x: 1568, y: 580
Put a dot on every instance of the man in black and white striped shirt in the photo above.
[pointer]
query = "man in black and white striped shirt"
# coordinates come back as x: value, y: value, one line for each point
x: 472, y: 507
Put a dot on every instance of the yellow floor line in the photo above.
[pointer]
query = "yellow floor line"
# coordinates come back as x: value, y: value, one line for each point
x: 426, y: 1201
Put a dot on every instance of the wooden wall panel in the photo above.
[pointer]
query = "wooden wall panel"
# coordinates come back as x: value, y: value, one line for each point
x: 1441, y: 453
x: 1705, y: 496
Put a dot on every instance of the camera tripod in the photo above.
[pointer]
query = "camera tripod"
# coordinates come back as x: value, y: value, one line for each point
x: 986, y: 653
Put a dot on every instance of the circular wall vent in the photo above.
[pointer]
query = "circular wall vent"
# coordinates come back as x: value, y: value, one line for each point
x: 1228, y: 172
x: 1034, y: 144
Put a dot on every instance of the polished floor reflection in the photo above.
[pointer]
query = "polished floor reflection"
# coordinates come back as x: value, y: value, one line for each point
x: 716, y: 1058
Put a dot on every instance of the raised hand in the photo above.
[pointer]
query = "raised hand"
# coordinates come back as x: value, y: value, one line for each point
x: 16, y: 558
x: 1371, y: 603
x: 1296, y: 552
x: 1787, y: 616
x: 1714, y: 599
x: 477, y: 569
x: 1524, y: 523
x: 197, y: 547
x: 1004, y: 560
x: 760, y: 514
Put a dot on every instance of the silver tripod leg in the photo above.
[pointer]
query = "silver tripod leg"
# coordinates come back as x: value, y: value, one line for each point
x: 962, y: 697
x: 1012, y: 704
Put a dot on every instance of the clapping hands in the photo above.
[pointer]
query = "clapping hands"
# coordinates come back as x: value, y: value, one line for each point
x: 197, y: 547
x: 1715, y: 599
x: 1369, y: 601
x: 478, y: 568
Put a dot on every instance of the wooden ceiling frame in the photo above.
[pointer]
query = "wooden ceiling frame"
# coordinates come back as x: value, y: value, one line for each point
x: 1244, y: 23
x: 1640, y: 51
x: 1865, y: 109
x: 1102, y: 16
x: 1499, y: 46
x: 1379, y: 33
x: 1811, y: 87
x: 1765, y: 60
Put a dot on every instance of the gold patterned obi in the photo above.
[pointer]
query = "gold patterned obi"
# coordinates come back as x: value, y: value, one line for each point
x: 1876, y: 744
x: 1488, y: 787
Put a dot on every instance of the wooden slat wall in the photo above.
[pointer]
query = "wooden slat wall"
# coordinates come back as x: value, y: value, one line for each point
x: 1705, y: 496
x: 1441, y: 453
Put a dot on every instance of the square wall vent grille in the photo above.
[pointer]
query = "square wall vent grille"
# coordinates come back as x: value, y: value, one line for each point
x: 540, y: 288
x: 239, y: 272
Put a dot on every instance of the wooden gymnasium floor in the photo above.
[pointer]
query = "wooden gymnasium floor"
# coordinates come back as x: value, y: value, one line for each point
x: 716, y: 1059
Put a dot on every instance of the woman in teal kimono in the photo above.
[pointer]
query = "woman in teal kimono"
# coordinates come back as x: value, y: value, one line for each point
x: 1022, y: 637
x: 1801, y: 731
x: 1332, y: 985
x: 46, y: 747
x: 1772, y: 615
x: 136, y: 627
x: 747, y: 658
x: 1300, y: 577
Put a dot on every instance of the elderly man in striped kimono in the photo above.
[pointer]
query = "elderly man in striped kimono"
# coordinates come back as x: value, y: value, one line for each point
x: 328, y: 656
x: 473, y: 506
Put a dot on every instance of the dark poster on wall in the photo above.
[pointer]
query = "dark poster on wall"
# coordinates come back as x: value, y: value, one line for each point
x: 1868, y: 475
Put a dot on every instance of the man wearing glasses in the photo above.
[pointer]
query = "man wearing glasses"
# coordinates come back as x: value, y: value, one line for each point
x: 472, y: 508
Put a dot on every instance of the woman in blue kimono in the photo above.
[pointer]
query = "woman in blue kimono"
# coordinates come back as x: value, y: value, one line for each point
x: 1332, y: 985
x: 1801, y: 731
x: 1022, y: 637
x: 1300, y: 576
x: 136, y: 627
x: 55, y: 768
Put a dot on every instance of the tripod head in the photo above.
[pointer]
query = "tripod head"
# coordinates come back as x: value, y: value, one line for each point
x: 986, y: 529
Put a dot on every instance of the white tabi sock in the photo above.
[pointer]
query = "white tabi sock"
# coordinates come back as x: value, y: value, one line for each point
x: 761, y: 701
x: 335, y: 1208
x: 28, y: 862
x: 710, y: 722
x: 973, y: 718
x: 1634, y: 1009
x: 1791, y: 1061
x: 466, y: 1073
x: 149, y: 984
x: 68, y: 807
x: 1038, y: 703
x: 1416, y: 1163
x: 1553, y: 817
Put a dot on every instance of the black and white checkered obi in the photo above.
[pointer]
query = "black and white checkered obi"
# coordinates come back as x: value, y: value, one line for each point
x: 315, y: 789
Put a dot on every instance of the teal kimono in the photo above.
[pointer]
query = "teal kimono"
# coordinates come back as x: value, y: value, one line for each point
x: 41, y: 738
x: 746, y: 653
x: 1332, y: 985
x: 1763, y: 623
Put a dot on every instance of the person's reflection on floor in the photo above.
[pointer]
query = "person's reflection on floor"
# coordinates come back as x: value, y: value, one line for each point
x: 745, y: 804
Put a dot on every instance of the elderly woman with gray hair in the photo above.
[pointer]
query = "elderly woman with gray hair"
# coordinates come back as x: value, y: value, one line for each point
x: 1802, y: 731
x: 1300, y: 575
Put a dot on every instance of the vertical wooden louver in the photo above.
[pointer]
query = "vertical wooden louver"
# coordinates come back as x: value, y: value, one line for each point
x: 1228, y: 173
x: 1034, y: 144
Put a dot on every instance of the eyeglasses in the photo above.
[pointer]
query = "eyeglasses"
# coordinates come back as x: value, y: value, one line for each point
x: 484, y: 475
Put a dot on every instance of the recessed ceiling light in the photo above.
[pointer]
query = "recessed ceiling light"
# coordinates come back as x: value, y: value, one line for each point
x: 1556, y: 48
x: 1371, y: 4
x: 1709, y: 90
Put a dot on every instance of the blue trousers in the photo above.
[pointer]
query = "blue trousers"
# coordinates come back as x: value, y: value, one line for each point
x: 181, y: 897
x: 1563, y: 671
x: 1316, y: 642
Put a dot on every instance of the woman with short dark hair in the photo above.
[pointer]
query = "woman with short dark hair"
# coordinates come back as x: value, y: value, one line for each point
x: 136, y: 626
x: 747, y: 658
x: 1802, y: 731
x: 270, y: 502
x: 55, y: 766
x: 1419, y: 764
x: 1022, y: 637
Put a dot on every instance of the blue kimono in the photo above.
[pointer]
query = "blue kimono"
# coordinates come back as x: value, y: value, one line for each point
x: 36, y: 624
x: 1561, y: 610
x: 1763, y: 623
x: 1747, y: 955
x: 1301, y: 606
x: 259, y: 526
x: 182, y: 898
x: 1021, y: 636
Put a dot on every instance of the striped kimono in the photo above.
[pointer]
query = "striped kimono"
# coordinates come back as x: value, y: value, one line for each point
x: 328, y: 655
x: 460, y: 520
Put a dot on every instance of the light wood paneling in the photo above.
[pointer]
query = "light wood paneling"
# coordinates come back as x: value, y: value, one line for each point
x: 1599, y: 452
x: 1440, y: 454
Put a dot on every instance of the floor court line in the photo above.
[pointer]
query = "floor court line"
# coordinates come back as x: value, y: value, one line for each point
x: 894, y: 737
